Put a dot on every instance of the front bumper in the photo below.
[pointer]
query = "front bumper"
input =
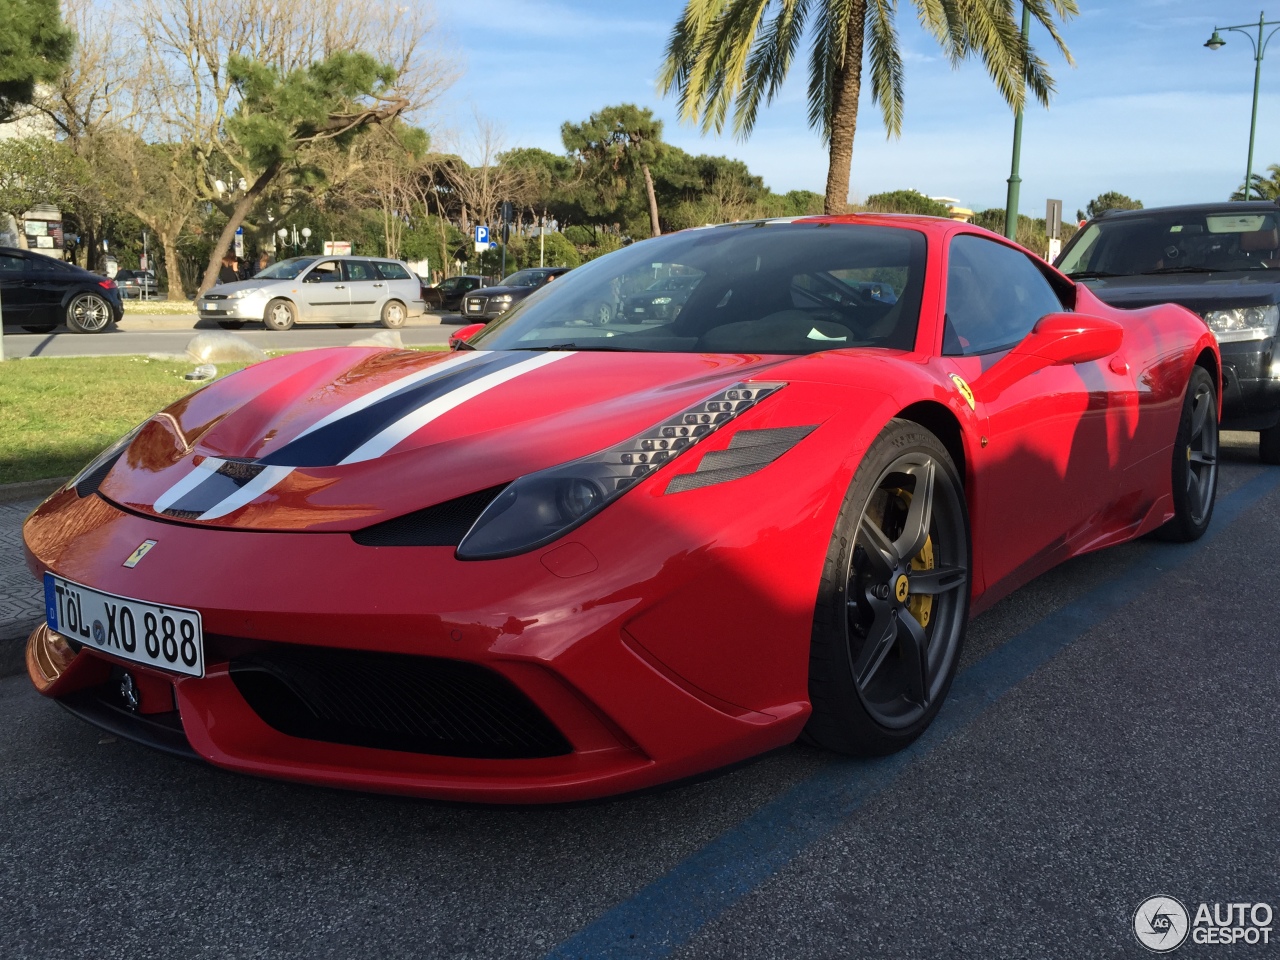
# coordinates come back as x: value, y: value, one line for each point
x: 247, y: 308
x: 1250, y: 385
x: 545, y: 625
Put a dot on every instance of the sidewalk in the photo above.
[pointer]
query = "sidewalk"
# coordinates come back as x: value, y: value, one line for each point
x: 21, y: 597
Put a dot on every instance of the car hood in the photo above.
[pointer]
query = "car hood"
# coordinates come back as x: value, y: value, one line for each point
x: 226, y: 289
x: 1200, y: 292
x: 339, y: 439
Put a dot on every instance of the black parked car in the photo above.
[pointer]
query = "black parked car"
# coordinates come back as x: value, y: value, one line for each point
x: 489, y: 302
x: 658, y: 302
x: 37, y: 293
x: 1221, y: 260
x: 448, y: 293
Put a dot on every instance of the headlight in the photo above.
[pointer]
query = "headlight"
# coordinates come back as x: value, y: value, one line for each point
x: 661, y: 300
x: 95, y: 471
x: 1243, y: 323
x: 505, y: 298
x: 540, y: 507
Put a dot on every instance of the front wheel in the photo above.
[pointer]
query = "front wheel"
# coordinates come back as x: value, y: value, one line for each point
x: 893, y: 601
x: 88, y: 313
x: 394, y: 314
x: 280, y: 315
x: 1195, y: 461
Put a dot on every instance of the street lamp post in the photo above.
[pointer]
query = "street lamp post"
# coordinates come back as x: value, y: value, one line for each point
x: 284, y: 236
x: 1216, y: 42
x: 1015, y: 181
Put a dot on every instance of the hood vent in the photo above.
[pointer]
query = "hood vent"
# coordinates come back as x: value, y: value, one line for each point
x: 443, y: 525
x: 748, y: 451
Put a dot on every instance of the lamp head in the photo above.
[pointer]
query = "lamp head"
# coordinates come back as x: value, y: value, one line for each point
x: 1215, y: 42
x: 282, y: 233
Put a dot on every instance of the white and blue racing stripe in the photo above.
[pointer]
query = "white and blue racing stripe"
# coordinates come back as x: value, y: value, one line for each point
x: 364, y: 429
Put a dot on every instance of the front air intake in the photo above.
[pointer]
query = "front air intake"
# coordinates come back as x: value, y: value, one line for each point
x: 392, y: 701
x: 443, y: 525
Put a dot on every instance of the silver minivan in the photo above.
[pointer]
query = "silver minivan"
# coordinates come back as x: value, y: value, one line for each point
x: 318, y: 290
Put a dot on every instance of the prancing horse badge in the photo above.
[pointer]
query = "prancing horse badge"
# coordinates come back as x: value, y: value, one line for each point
x: 143, y: 548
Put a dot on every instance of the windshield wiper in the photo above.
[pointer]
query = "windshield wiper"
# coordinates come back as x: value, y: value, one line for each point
x: 580, y: 346
x: 1183, y: 269
x: 1092, y: 275
x: 463, y: 345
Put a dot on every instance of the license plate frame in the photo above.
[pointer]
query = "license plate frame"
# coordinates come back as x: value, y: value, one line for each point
x: 118, y: 626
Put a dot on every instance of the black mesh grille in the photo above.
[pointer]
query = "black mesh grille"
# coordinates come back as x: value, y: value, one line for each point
x: 748, y: 451
x: 395, y: 702
x: 443, y: 525
x: 90, y: 482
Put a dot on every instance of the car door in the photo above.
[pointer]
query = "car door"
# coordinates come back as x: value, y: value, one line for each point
x: 15, y: 294
x: 367, y: 290
x: 324, y: 295
x: 401, y: 284
x: 49, y: 281
x: 1048, y: 466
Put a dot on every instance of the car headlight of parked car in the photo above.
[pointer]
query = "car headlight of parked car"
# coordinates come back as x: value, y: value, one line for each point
x: 505, y: 298
x: 540, y: 507
x: 660, y: 300
x: 1243, y: 323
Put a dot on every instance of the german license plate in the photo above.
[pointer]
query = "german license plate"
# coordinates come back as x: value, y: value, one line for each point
x: 170, y: 638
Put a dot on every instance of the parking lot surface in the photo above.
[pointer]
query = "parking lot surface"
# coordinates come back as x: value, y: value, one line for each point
x: 1111, y: 736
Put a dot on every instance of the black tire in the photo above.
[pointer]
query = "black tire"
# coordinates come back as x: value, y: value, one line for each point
x: 88, y: 313
x: 231, y: 324
x: 890, y: 617
x: 600, y: 313
x: 1269, y: 445
x: 280, y: 314
x: 1195, y: 461
x: 40, y: 328
x: 394, y: 314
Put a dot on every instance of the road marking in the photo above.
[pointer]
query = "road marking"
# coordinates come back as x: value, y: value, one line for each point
x: 665, y: 915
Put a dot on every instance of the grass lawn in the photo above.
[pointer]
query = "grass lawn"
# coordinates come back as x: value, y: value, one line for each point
x: 158, y: 307
x: 55, y: 415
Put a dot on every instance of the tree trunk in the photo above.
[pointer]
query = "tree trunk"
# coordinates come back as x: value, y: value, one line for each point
x: 653, y: 201
x: 847, y: 84
x: 173, y: 274
x: 238, y: 213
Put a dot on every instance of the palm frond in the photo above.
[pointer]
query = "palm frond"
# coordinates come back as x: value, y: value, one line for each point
x: 771, y: 56
x: 886, y: 64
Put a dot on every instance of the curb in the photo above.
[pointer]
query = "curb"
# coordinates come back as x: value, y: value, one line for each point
x: 30, y: 489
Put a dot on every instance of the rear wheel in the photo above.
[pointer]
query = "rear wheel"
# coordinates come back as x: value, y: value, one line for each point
x: 1195, y: 461
x: 894, y: 598
x: 394, y: 314
x: 88, y: 313
x: 600, y: 313
x: 1269, y: 445
x: 280, y: 315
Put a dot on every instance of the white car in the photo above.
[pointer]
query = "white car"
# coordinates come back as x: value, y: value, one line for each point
x: 318, y: 290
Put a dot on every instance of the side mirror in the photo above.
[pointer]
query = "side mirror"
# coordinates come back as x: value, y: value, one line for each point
x: 1058, y: 339
x: 465, y: 334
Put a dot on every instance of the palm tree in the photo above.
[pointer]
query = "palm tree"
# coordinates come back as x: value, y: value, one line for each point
x: 738, y: 52
x: 1260, y: 187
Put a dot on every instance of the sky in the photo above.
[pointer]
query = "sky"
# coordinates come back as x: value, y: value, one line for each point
x: 1147, y: 110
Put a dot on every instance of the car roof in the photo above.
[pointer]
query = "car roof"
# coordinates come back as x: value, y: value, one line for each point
x: 1220, y: 206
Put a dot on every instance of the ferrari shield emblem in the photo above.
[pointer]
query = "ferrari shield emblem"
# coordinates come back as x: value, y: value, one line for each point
x: 143, y: 548
x: 964, y: 389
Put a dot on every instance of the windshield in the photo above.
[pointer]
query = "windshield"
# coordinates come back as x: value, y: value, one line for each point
x: 1191, y: 242
x: 524, y: 278
x: 286, y: 269
x: 744, y: 288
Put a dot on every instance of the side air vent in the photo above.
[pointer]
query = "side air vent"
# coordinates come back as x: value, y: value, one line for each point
x: 90, y: 482
x: 443, y: 525
x: 748, y: 451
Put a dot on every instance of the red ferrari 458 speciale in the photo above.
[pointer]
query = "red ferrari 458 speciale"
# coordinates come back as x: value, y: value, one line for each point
x: 586, y: 552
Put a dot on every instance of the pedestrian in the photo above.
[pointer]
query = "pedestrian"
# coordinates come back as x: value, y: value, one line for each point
x: 264, y: 261
x: 228, y: 273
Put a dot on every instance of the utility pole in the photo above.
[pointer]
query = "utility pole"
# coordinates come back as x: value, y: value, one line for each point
x: 1216, y: 42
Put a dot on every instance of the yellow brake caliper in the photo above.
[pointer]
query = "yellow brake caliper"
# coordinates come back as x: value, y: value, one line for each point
x: 919, y: 605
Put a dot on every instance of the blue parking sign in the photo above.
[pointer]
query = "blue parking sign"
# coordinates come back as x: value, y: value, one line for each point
x: 482, y: 235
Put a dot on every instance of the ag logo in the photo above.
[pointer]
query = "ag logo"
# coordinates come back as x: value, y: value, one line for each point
x: 1161, y: 924
x: 143, y: 548
x: 964, y: 390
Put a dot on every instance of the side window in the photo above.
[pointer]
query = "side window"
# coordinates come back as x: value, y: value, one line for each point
x: 10, y: 265
x: 328, y: 272
x: 392, y: 271
x: 995, y: 296
x: 470, y: 283
x: 360, y: 270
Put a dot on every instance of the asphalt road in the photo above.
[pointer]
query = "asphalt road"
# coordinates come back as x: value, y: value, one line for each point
x: 119, y: 342
x: 1112, y: 735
